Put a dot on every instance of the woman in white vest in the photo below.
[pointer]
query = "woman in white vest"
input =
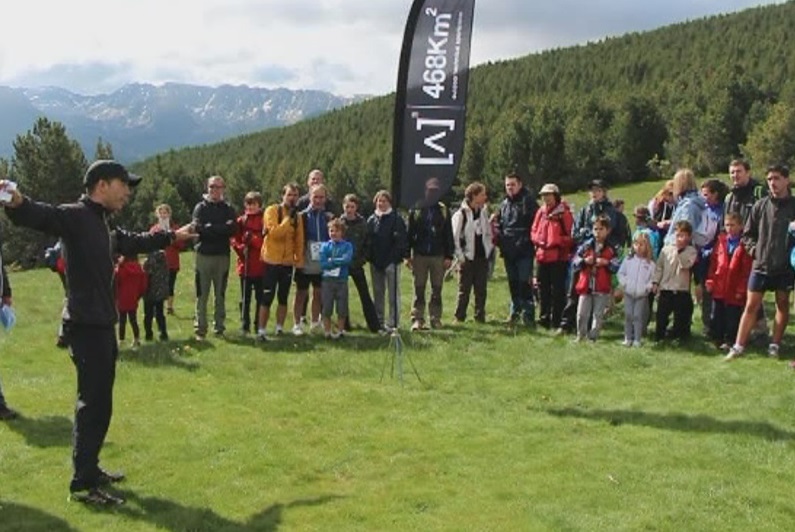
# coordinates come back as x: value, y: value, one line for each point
x: 473, y: 246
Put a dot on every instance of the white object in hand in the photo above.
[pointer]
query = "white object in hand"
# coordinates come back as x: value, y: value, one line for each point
x: 7, y: 192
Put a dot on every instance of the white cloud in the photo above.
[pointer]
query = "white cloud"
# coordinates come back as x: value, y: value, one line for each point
x: 346, y: 46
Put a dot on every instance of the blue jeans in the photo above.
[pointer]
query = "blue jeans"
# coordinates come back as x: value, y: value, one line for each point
x: 520, y: 271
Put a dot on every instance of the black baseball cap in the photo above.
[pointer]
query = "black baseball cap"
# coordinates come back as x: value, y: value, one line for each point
x: 105, y: 170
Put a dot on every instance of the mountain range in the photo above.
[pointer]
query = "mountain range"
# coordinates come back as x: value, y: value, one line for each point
x: 139, y: 120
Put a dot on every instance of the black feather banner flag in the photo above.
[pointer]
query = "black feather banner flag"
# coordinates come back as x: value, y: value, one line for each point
x: 430, y: 105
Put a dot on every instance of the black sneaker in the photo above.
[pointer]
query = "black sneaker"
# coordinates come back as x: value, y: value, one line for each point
x: 7, y: 414
x: 106, y: 478
x: 96, y: 497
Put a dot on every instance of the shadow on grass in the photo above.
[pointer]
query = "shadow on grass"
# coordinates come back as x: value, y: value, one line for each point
x: 171, y: 515
x: 49, y: 431
x: 680, y: 422
x: 359, y: 341
x: 18, y: 517
x: 170, y: 353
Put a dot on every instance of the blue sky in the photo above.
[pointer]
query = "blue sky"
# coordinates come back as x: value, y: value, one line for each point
x: 343, y: 46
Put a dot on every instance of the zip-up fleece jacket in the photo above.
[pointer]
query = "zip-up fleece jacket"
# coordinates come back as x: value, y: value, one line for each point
x: 88, y: 249
x: 514, y: 224
x: 131, y: 285
x: 635, y: 276
x: 766, y: 235
x: 356, y: 234
x: 593, y: 279
x: 727, y: 278
x: 673, y: 268
x: 388, y: 240
x: 551, y: 233
x: 283, y: 243
x: 430, y: 232
x: 247, y: 243
x: 215, y: 223
x: 335, y: 260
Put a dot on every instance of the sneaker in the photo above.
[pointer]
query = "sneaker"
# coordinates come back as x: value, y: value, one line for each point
x: 316, y: 326
x: 219, y: 334
x: 560, y: 331
x: 96, y: 497
x: 149, y: 337
x: 199, y: 337
x: 163, y: 337
x: 636, y: 343
x: 261, y: 336
x: 297, y: 330
x: 735, y: 352
x: 416, y: 325
x: 135, y: 344
x: 328, y: 335
x: 336, y: 335
x: 279, y: 330
x: 7, y: 413
x: 170, y: 310
x: 724, y: 347
x: 106, y: 478
x: 627, y: 342
x: 436, y: 323
x: 772, y: 350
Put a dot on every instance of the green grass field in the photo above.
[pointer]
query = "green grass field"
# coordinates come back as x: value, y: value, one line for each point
x: 508, y: 429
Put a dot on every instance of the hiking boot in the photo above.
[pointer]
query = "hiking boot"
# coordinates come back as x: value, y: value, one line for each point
x: 96, y: 497
x: 106, y: 478
x: 772, y: 350
x: 735, y: 352
x: 7, y: 413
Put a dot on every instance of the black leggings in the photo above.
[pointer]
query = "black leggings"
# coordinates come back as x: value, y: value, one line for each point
x: 133, y: 317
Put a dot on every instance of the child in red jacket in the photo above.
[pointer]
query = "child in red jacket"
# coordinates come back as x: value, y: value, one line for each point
x: 727, y: 281
x: 130, y: 288
x: 594, y: 265
x: 247, y: 243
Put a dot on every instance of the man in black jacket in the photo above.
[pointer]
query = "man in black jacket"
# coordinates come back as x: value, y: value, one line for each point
x: 89, y: 246
x: 5, y: 294
x: 431, y: 248
x: 215, y: 222
x: 514, y: 220
x: 745, y: 190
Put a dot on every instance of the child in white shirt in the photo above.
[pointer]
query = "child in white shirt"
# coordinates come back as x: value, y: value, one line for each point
x: 635, y: 278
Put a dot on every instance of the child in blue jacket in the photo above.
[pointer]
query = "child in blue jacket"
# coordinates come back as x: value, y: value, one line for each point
x: 336, y: 255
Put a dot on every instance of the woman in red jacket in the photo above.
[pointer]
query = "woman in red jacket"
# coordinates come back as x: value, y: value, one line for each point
x: 551, y: 236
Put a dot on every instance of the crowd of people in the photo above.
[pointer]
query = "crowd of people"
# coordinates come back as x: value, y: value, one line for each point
x: 723, y: 245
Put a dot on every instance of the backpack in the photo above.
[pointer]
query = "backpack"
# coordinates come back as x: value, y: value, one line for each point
x: 704, y: 233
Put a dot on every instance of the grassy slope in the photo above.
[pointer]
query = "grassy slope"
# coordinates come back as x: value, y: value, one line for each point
x: 508, y: 430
